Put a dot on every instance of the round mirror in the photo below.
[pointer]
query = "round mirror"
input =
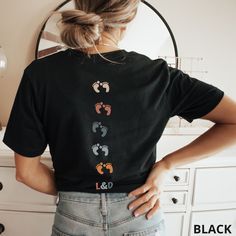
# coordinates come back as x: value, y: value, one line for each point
x: 148, y: 34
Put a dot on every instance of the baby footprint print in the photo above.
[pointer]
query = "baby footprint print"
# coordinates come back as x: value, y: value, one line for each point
x: 97, y: 84
x: 97, y: 146
x: 96, y: 125
x: 106, y: 107
x: 100, y: 107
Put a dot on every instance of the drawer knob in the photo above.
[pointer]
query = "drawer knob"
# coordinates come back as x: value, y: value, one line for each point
x: 1, y: 186
x: 174, y: 200
x: 176, y: 177
x: 2, y: 228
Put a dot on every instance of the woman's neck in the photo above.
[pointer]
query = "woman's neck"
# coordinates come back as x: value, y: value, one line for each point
x: 103, y: 48
x: 107, y: 43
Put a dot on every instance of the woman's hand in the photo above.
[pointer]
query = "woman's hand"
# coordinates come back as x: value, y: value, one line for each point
x: 149, y: 201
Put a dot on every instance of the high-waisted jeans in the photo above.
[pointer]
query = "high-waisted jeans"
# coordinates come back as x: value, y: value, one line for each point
x: 103, y: 214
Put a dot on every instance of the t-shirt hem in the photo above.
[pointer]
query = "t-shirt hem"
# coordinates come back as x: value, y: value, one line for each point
x: 22, y: 152
x: 208, y: 109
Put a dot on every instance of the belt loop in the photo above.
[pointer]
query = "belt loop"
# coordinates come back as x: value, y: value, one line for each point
x: 58, y: 198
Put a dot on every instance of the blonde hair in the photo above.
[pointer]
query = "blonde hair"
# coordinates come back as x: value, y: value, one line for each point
x: 83, y: 26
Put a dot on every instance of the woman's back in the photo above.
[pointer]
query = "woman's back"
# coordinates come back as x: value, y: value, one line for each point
x: 102, y: 120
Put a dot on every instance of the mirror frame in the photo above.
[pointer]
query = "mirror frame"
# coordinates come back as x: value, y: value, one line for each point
x: 143, y: 1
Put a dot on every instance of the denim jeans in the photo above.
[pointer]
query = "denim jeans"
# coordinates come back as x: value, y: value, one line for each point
x: 103, y: 214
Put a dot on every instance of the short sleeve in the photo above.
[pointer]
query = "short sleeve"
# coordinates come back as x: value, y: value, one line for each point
x: 24, y: 132
x: 189, y: 97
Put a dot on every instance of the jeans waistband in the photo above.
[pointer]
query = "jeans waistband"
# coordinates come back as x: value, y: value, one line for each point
x: 93, y: 197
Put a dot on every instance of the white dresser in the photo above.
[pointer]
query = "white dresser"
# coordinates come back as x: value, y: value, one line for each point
x: 203, y: 193
x: 23, y: 211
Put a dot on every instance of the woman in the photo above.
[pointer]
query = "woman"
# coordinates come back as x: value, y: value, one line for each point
x: 102, y: 110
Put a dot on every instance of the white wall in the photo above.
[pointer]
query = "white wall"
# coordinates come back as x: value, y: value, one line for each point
x: 205, y: 29
x: 201, y: 28
x: 20, y: 24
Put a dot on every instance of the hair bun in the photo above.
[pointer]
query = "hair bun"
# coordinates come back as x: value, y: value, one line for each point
x: 83, y: 26
x: 81, y: 29
x: 79, y: 17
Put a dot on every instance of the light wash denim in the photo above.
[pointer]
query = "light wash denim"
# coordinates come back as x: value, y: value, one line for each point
x: 103, y: 214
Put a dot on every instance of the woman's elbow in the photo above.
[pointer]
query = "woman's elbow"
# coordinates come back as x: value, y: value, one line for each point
x: 19, y: 178
x: 25, y: 167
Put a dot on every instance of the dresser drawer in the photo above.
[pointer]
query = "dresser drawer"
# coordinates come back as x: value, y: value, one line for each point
x: 215, y: 186
x: 15, y: 192
x: 174, y: 200
x: 177, y: 177
x: 17, y: 223
x: 174, y: 223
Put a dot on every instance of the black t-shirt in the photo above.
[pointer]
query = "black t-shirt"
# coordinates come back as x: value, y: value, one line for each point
x: 101, y: 120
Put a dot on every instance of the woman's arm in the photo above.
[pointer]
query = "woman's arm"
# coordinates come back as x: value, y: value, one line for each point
x: 215, y: 139
x: 35, y: 174
x: 220, y: 136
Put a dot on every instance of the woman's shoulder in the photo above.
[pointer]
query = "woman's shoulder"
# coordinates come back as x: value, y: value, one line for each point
x: 143, y: 58
x: 45, y: 64
x: 51, y: 58
x: 153, y: 65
